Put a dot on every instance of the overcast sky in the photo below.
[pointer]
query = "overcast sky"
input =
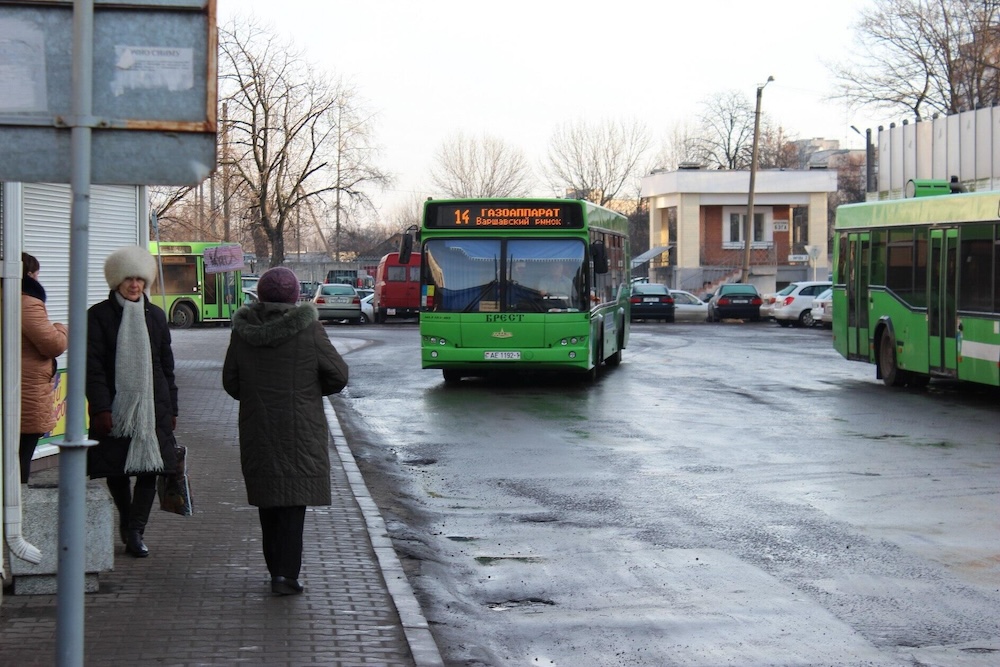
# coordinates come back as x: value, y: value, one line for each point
x: 518, y: 69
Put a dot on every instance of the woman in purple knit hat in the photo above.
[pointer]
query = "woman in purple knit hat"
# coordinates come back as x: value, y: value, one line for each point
x: 279, y: 366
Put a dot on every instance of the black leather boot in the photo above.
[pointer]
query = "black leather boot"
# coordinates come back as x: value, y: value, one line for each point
x: 121, y: 492
x: 142, y: 503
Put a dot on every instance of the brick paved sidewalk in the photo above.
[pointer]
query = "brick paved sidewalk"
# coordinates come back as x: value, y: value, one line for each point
x: 203, y: 595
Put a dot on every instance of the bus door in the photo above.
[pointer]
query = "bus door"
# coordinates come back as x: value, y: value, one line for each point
x: 859, y: 251
x: 942, y: 315
x: 219, y: 296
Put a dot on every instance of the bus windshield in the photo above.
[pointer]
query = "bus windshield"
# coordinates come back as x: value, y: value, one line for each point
x: 505, y: 275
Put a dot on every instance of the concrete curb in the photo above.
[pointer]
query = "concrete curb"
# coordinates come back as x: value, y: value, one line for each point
x: 418, y: 635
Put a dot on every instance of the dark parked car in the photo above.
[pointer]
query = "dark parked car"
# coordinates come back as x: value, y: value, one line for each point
x: 735, y: 301
x: 651, y: 301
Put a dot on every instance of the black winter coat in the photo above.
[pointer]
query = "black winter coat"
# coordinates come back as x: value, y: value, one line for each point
x: 279, y: 366
x: 103, y: 320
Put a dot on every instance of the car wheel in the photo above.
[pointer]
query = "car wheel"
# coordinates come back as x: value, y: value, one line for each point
x: 806, y: 319
x: 364, y: 319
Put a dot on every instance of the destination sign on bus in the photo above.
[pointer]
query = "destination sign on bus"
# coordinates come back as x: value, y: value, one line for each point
x: 504, y: 215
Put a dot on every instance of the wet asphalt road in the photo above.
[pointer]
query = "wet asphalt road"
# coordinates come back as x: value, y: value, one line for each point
x: 730, y: 495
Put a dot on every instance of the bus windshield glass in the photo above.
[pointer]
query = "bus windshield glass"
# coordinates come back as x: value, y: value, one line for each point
x: 505, y: 275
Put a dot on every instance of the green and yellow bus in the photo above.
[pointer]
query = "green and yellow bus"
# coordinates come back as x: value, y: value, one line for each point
x: 521, y: 284
x: 201, y: 281
x: 917, y: 287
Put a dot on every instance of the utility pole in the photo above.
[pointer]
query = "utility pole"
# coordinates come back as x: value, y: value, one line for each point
x: 869, y: 159
x: 748, y: 223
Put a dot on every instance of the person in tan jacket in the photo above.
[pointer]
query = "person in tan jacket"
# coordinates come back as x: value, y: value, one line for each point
x: 41, y: 342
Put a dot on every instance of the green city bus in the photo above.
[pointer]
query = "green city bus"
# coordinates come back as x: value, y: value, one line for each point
x: 201, y: 281
x: 917, y: 287
x: 521, y: 284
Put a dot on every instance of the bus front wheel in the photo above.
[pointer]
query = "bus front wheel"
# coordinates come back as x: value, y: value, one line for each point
x: 183, y: 316
x: 892, y: 375
x: 451, y: 376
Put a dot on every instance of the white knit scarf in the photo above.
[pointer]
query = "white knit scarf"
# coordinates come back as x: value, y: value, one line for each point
x: 132, y: 411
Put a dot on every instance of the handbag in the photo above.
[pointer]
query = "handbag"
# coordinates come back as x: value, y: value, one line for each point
x: 174, y: 489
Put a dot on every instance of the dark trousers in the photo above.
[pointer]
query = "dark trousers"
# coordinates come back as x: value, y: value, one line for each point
x: 25, y: 450
x: 133, y: 505
x: 282, y: 539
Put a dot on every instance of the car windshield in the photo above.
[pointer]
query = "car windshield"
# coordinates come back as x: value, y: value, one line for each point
x: 650, y: 288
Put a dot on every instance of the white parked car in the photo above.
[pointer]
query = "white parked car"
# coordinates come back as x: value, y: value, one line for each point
x: 793, y: 304
x: 367, y: 311
x: 822, y: 310
x: 688, y: 307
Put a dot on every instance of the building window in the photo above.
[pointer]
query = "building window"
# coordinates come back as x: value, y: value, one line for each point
x: 733, y: 218
x: 800, y: 230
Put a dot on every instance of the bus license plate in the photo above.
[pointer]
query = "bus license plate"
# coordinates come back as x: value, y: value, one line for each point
x: 507, y: 355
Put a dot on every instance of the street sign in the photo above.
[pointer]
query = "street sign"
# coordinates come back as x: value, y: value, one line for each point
x: 154, y: 91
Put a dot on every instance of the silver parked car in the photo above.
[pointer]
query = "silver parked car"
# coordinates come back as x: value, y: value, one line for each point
x: 688, y: 307
x: 337, y: 302
x: 822, y: 310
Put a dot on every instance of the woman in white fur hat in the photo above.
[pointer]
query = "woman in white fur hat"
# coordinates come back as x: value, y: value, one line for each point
x: 131, y: 394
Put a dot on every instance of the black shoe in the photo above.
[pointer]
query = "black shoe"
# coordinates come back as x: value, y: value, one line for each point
x: 134, y: 545
x: 285, y: 586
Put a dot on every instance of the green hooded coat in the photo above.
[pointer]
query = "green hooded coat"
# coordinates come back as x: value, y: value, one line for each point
x: 279, y: 366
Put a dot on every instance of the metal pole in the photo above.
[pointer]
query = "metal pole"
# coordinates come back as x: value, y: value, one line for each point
x: 748, y: 223
x: 70, y: 580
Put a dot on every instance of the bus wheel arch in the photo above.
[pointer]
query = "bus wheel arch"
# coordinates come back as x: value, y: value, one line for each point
x: 183, y: 315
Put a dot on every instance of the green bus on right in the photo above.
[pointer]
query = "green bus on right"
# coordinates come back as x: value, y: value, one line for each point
x: 917, y: 286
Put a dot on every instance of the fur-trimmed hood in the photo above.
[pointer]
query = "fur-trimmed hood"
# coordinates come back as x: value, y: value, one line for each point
x: 266, y: 324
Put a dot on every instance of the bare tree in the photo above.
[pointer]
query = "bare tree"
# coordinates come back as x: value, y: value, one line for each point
x: 595, y: 161
x: 289, y: 131
x: 776, y: 149
x: 481, y: 167
x: 924, y: 57
x: 726, y: 132
x: 680, y: 147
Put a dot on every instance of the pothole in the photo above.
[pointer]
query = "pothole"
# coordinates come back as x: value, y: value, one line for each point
x: 493, y: 560
x: 526, y: 603
x: 419, y: 462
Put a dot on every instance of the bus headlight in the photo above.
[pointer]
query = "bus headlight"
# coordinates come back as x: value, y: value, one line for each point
x: 563, y: 342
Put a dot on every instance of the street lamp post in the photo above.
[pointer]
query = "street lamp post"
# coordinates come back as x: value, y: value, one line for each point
x: 748, y: 223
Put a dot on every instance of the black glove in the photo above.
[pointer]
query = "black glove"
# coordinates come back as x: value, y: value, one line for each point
x: 100, y: 424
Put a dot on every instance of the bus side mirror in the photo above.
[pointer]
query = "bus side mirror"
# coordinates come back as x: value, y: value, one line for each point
x: 599, y: 254
x: 406, y: 245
